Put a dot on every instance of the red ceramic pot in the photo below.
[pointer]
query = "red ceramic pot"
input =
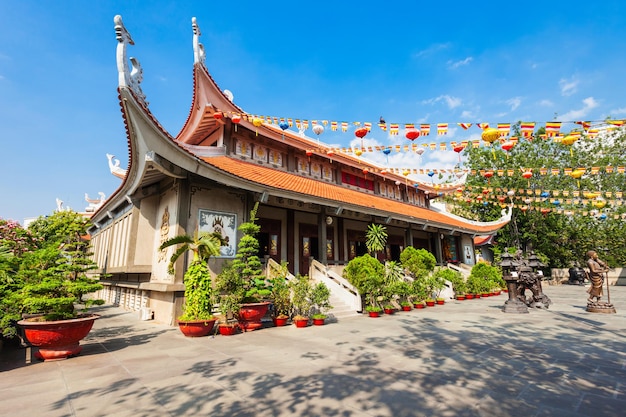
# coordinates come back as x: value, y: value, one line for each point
x: 373, y: 313
x: 406, y: 308
x: 57, y: 339
x: 389, y: 310
x: 301, y: 322
x: 228, y: 330
x: 460, y: 297
x: 419, y: 305
x: 430, y: 303
x: 318, y: 322
x: 469, y: 296
x: 250, y: 315
x: 440, y: 302
x: 196, y: 328
x: 280, y: 321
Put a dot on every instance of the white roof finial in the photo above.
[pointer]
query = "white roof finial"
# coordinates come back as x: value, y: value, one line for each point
x: 198, y: 49
x: 127, y: 77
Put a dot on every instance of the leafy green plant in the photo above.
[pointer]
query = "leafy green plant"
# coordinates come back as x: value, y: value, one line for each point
x: 483, y: 278
x: 320, y: 300
x: 301, y: 290
x: 44, y: 270
x: 280, y: 293
x: 229, y: 291
x: 444, y: 274
x: 367, y: 275
x: 375, y: 238
x: 247, y: 262
x: 419, y: 262
x: 198, y: 303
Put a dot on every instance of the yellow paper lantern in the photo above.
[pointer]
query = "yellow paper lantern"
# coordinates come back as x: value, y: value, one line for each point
x: 490, y: 135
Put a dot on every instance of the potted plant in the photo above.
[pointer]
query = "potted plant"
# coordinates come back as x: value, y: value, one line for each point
x: 256, y: 291
x: 373, y: 310
x: 320, y: 303
x: 280, y: 294
x: 197, y: 318
x: 481, y: 279
x: 406, y: 305
x: 301, y: 291
x: 367, y: 275
x: 430, y: 302
x: 53, y: 273
x: 229, y: 291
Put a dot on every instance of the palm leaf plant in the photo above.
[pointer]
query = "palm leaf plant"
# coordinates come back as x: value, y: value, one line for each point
x: 197, y: 279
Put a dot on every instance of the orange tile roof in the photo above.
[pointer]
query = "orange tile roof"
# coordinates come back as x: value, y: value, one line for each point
x: 282, y: 180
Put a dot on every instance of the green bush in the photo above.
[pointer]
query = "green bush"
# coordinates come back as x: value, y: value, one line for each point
x: 367, y: 275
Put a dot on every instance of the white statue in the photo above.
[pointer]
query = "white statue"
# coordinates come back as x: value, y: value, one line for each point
x: 114, y: 167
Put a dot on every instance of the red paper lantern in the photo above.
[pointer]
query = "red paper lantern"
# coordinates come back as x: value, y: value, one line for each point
x: 412, y: 134
x: 365, y: 171
x: 236, y: 119
x: 309, y: 153
x: 360, y: 132
x: 507, y: 146
x: 527, y: 174
x: 458, y: 148
x: 218, y: 115
x: 488, y: 174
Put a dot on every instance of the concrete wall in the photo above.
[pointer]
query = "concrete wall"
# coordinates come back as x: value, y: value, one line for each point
x: 617, y: 276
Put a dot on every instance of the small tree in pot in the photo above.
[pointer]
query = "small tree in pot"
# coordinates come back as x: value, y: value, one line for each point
x: 54, y: 278
x: 197, y: 318
x: 320, y: 300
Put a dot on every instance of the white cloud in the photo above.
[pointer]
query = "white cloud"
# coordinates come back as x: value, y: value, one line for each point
x: 432, y: 49
x: 451, y: 102
x: 455, y: 65
x: 514, y: 102
x: 546, y: 103
x: 568, y: 87
x: 467, y: 115
x: 588, y: 104
x: 619, y: 111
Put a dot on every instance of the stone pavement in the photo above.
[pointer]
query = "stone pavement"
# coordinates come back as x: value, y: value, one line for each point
x: 465, y: 358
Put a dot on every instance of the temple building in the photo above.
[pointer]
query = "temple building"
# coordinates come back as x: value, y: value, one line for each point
x: 315, y: 202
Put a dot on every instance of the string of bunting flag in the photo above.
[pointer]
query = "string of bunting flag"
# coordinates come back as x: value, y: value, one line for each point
x: 415, y: 130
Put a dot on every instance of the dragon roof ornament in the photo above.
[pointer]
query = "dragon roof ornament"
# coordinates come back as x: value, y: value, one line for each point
x: 199, y: 55
x: 128, y: 75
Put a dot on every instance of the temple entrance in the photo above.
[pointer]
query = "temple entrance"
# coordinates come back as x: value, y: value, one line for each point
x: 269, y: 240
x: 309, y: 246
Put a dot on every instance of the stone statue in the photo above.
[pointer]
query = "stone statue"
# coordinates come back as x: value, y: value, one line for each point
x: 597, y: 273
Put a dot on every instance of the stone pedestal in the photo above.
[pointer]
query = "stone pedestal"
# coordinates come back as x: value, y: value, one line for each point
x: 606, y: 308
x: 513, y: 304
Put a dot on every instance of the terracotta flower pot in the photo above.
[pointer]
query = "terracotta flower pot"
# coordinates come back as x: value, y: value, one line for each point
x: 301, y: 322
x: 58, y: 339
x: 280, y: 321
x: 319, y: 322
x: 374, y: 313
x: 196, y: 328
x: 250, y: 315
x: 406, y: 308
x: 419, y: 305
x: 430, y: 303
x: 460, y: 297
x: 469, y: 296
x: 389, y: 310
x: 227, y: 330
x: 486, y: 294
x: 440, y: 302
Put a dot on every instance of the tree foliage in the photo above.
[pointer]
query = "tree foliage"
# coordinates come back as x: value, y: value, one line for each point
x: 554, y: 214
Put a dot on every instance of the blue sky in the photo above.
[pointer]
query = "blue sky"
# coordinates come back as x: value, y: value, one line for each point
x: 495, y: 62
